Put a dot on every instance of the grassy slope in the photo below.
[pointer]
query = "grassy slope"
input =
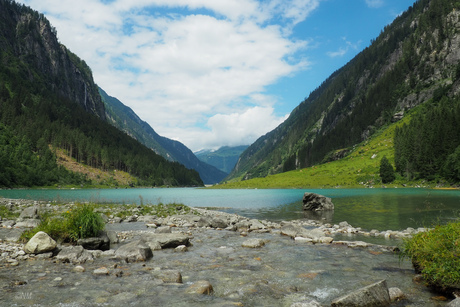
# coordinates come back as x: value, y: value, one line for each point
x: 98, y: 177
x: 358, y: 169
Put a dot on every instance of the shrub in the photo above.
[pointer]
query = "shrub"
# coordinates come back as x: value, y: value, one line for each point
x: 77, y: 223
x: 436, y: 255
x: 83, y: 222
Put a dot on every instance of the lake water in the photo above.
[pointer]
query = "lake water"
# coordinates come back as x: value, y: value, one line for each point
x: 380, y: 209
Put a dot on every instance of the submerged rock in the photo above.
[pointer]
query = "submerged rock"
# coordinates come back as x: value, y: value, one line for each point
x: 253, y: 243
x: 200, y: 287
x: 372, y: 295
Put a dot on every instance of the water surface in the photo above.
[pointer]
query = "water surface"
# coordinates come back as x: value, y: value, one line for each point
x: 380, y: 209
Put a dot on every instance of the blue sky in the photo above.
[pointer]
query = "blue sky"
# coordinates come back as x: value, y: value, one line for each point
x: 211, y: 73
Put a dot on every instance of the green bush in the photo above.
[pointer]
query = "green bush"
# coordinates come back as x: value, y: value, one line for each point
x: 436, y: 255
x: 77, y: 223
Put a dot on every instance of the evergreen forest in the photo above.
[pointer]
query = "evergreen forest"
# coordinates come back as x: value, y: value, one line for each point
x: 41, y: 110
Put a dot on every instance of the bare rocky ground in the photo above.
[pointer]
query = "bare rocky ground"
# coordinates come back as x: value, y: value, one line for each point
x: 205, y: 258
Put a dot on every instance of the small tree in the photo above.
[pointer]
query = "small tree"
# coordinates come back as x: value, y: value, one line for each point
x: 387, y: 172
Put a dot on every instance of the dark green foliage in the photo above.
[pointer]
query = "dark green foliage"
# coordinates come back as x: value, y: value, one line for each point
x: 387, y: 172
x: 35, y: 114
x: 428, y: 147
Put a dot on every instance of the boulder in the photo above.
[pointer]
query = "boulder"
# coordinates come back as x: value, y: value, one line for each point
x: 396, y: 294
x: 372, y: 295
x: 134, y: 251
x: 28, y: 223
x: 41, y: 242
x: 454, y: 303
x: 316, y: 202
x: 102, y: 242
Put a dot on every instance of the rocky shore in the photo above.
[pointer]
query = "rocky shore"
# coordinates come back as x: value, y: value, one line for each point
x: 203, y: 257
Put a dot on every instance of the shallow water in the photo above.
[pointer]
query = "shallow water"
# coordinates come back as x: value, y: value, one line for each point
x: 278, y: 274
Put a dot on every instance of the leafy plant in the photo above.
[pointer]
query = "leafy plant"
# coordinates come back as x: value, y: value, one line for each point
x: 436, y: 255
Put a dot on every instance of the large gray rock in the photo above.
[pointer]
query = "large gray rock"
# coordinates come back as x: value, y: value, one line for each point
x: 29, y: 213
x: 293, y: 231
x: 74, y: 254
x: 316, y: 202
x: 28, y: 223
x: 134, y: 251
x: 40, y: 243
x: 372, y: 295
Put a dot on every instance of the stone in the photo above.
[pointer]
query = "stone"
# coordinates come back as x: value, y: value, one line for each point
x: 181, y: 249
x: 29, y: 213
x: 454, y: 303
x: 326, y: 240
x: 168, y: 240
x: 28, y: 223
x: 101, y: 271
x: 372, y: 295
x: 256, y: 224
x: 253, y: 243
x: 200, y: 287
x: 292, y: 230
x: 170, y: 276
x: 41, y: 242
x: 74, y: 254
x: 303, y: 240
x: 218, y: 223
x: 316, y: 202
x: 113, y: 237
x: 134, y: 251
x: 396, y: 294
x: 102, y: 242
x: 78, y: 269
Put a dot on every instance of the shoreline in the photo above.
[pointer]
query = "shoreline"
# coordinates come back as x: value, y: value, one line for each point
x: 228, y: 240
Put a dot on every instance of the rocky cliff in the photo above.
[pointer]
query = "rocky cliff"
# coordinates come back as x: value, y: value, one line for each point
x: 27, y: 36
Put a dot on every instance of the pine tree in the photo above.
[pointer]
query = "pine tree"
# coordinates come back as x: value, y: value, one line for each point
x: 387, y: 172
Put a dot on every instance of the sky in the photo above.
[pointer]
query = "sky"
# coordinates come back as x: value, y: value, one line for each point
x: 212, y: 73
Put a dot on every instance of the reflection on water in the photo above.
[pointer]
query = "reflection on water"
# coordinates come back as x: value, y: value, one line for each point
x: 380, y: 209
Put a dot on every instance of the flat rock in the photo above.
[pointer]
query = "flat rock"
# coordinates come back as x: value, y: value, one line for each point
x: 74, y: 254
x: 168, y: 240
x: 101, y: 271
x: 170, y: 276
x: 372, y: 295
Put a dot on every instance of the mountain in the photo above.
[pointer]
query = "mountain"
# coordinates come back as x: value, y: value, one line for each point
x: 415, y: 59
x: 127, y: 121
x: 225, y: 158
x: 49, y: 103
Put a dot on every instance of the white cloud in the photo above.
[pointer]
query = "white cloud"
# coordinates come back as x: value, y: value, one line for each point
x: 374, y: 3
x: 344, y: 50
x: 181, y: 72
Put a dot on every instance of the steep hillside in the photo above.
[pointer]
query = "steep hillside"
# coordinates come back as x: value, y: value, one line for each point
x: 413, y: 57
x: 126, y: 120
x: 225, y: 158
x: 48, y: 97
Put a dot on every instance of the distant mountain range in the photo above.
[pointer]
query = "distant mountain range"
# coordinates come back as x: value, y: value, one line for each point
x: 225, y: 158
x: 129, y: 122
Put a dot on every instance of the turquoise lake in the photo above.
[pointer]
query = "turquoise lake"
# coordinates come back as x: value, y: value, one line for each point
x: 380, y: 209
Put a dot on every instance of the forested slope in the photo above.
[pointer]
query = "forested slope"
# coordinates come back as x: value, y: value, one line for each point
x: 126, y: 120
x: 411, y: 60
x: 48, y: 100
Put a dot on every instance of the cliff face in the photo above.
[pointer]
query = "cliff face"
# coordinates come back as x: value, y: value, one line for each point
x: 28, y: 36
